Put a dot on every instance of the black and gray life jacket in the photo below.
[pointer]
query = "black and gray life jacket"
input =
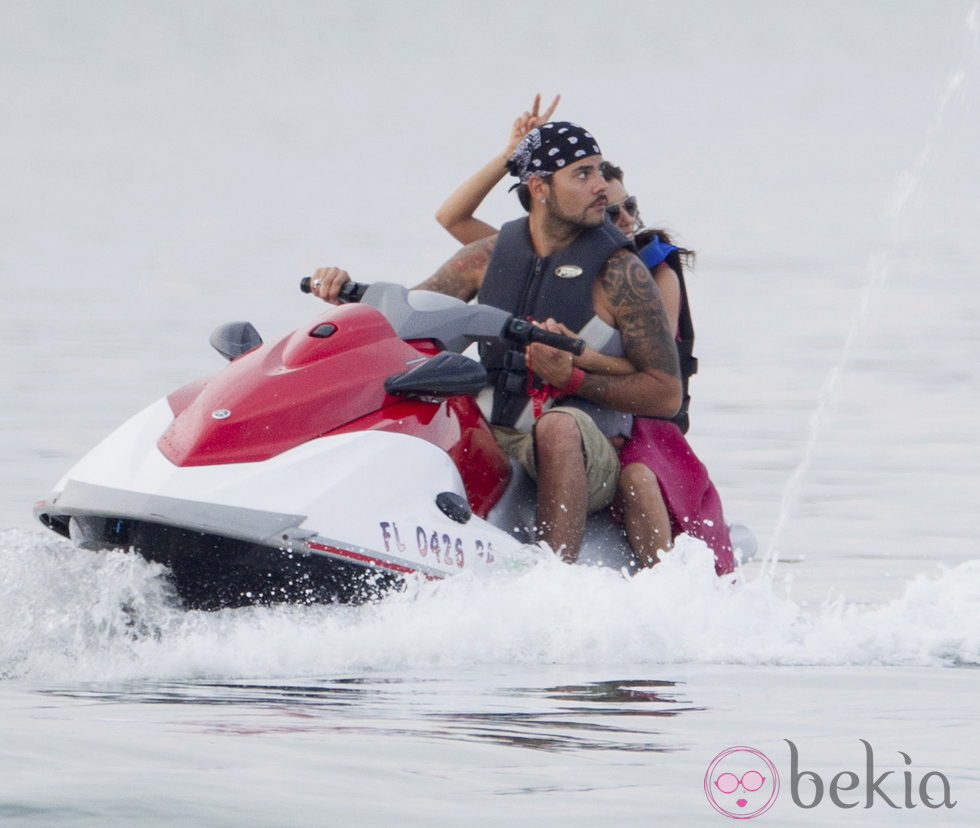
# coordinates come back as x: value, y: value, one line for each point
x: 558, y: 286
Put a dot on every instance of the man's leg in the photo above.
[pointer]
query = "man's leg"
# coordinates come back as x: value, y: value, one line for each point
x: 645, y: 514
x: 562, y: 485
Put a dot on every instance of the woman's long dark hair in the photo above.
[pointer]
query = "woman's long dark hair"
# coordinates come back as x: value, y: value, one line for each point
x: 645, y: 235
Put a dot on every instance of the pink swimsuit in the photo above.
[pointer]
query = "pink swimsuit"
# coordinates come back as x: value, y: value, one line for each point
x: 691, y: 497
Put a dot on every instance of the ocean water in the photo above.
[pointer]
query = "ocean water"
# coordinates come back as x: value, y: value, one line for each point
x: 170, y: 167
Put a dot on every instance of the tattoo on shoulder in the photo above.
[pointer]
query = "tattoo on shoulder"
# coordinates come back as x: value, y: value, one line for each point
x: 462, y: 275
x: 634, y: 301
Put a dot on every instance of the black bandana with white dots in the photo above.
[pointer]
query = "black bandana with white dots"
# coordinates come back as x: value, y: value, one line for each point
x: 549, y: 147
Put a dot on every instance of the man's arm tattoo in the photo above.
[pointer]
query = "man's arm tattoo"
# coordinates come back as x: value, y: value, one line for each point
x: 462, y: 274
x: 634, y: 300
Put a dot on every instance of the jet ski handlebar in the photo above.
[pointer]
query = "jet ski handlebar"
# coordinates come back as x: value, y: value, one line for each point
x: 520, y: 331
x: 525, y: 332
x: 349, y: 291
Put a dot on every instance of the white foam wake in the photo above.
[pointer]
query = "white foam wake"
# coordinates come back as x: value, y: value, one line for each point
x: 76, y: 615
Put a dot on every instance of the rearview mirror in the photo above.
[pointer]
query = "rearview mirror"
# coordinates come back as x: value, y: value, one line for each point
x: 233, y: 339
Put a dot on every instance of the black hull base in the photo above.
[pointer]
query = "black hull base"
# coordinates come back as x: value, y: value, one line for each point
x: 210, y: 572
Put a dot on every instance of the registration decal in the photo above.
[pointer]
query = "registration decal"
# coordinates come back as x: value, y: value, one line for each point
x: 444, y: 548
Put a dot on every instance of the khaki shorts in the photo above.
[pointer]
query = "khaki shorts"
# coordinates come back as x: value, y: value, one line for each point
x: 601, y: 459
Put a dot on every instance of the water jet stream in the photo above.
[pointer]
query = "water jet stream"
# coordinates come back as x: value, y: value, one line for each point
x: 879, y: 265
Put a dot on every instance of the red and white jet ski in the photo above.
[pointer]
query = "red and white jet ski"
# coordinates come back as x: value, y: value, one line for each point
x: 322, y: 467
x: 327, y: 466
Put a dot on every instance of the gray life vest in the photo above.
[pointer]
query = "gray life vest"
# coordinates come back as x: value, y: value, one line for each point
x: 558, y: 286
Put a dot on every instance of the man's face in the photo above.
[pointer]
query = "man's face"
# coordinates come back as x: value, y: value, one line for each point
x: 576, y: 194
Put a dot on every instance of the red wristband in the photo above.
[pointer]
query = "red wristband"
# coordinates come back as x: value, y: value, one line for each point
x: 574, y: 382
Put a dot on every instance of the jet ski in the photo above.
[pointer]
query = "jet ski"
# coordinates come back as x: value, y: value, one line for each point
x: 330, y: 465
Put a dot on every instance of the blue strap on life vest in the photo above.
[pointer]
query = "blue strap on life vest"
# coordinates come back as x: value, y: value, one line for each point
x: 655, y: 252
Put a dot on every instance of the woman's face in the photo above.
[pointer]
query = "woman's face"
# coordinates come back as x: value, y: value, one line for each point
x: 617, y: 194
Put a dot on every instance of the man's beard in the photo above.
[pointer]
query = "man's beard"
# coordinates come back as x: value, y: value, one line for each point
x: 573, y: 223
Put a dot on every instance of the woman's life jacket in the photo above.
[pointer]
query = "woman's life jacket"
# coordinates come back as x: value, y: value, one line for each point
x: 654, y: 253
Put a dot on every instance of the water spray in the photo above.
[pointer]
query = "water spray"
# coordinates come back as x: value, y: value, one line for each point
x: 879, y: 265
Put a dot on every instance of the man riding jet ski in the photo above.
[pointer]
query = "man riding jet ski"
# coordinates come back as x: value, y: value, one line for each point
x: 352, y: 453
x: 564, y: 264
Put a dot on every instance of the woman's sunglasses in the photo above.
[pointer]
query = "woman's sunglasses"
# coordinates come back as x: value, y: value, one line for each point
x: 628, y: 204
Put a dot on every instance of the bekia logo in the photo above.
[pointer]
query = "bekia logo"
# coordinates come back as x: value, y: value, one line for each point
x: 847, y: 789
x: 742, y: 782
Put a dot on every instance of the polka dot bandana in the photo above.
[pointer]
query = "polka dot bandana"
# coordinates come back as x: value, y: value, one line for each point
x: 550, y: 147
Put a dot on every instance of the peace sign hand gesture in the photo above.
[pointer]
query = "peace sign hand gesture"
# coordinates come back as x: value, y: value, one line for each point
x: 527, y: 121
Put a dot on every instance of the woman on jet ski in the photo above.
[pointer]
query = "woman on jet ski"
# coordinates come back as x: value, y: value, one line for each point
x: 663, y: 488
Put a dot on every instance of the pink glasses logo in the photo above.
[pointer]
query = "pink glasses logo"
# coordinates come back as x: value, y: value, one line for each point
x: 741, y: 783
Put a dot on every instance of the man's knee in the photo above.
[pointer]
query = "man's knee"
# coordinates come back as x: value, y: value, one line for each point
x: 556, y: 434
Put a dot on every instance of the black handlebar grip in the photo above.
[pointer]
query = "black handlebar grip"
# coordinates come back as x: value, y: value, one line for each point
x: 352, y: 291
x: 349, y: 291
x: 557, y: 340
